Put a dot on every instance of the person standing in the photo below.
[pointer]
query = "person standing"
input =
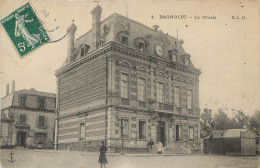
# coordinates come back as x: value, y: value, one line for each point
x: 102, y: 156
x: 150, y: 144
x: 159, y: 147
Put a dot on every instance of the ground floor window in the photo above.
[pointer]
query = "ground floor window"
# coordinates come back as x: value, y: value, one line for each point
x: 141, y: 129
x: 40, y: 138
x: 82, y: 131
x: 178, y: 133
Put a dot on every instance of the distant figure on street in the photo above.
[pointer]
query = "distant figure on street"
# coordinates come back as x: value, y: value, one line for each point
x: 150, y: 144
x: 159, y: 147
x: 102, y: 157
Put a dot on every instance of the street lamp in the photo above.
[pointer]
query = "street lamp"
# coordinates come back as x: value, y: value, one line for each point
x: 122, y: 123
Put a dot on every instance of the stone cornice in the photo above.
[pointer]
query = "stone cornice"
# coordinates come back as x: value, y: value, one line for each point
x: 131, y: 52
x: 133, y: 109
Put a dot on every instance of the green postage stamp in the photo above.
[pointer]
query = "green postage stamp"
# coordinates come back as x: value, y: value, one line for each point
x: 25, y: 29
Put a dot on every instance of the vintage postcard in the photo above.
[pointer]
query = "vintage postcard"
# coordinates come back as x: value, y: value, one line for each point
x: 130, y: 84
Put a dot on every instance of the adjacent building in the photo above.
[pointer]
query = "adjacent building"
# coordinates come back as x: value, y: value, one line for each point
x: 125, y: 80
x: 231, y: 142
x: 27, y: 118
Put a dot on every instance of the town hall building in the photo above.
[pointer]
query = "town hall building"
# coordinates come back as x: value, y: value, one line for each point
x: 125, y: 81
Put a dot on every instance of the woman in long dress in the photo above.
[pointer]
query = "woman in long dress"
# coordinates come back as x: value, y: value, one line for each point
x: 159, y: 147
x: 102, y: 157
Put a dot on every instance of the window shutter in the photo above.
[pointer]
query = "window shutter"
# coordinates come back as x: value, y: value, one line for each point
x: 45, y: 122
x: 37, y: 121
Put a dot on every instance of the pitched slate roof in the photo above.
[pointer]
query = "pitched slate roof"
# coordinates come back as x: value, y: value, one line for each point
x: 217, y: 133
x: 7, y: 101
x: 35, y: 92
x: 234, y: 133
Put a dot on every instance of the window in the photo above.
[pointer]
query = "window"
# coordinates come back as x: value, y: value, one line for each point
x: 82, y: 131
x: 177, y: 96
x: 178, y: 133
x: 1, y: 130
x: 22, y: 119
x: 187, y: 62
x: 41, y: 102
x: 41, y: 121
x: 141, y: 89
x: 23, y: 101
x: 141, y: 129
x: 141, y: 46
x: 54, y: 102
x: 125, y: 132
x: 40, y: 138
x: 160, y: 92
x: 191, y: 133
x: 124, y: 40
x: 189, y: 99
x: 124, y: 86
x: 174, y: 58
x: 84, y: 50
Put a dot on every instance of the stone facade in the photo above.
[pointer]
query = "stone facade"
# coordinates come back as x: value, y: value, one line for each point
x: 137, y: 84
x: 28, y: 119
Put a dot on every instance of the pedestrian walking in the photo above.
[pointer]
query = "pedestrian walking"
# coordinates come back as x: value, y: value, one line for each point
x: 102, y: 157
x: 150, y: 144
x: 159, y: 147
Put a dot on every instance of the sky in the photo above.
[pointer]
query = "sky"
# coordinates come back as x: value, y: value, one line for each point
x: 226, y: 50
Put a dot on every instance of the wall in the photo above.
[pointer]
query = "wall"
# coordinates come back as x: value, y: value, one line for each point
x: 31, y: 117
x: 32, y: 101
x: 4, y: 137
x: 82, y: 85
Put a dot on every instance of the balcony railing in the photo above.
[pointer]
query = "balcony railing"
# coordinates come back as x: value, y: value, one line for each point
x: 142, y: 104
x: 165, y: 106
x: 125, y: 101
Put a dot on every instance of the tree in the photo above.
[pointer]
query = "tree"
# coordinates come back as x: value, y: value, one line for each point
x: 242, y: 119
x: 254, y: 122
x: 206, y: 123
x: 233, y: 123
x: 221, y: 120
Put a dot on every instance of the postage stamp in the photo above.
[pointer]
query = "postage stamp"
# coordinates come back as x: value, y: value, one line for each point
x: 25, y: 29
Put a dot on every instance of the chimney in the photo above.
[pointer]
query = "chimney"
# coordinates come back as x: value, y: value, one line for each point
x: 7, y: 89
x: 156, y: 27
x: 96, y: 31
x: 71, y: 39
x: 13, y: 86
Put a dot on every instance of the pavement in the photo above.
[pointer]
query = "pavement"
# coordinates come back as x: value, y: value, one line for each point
x: 26, y: 158
x: 110, y: 154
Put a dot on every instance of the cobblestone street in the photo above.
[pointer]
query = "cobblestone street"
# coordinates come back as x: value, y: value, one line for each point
x: 77, y: 159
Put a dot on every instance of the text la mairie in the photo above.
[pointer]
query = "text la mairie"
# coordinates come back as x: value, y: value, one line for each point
x: 123, y: 79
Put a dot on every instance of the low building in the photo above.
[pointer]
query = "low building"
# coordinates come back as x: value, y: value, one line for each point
x: 231, y: 142
x: 27, y: 119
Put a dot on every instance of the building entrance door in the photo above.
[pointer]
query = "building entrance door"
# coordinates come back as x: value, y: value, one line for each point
x: 21, y: 138
x: 161, y: 132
